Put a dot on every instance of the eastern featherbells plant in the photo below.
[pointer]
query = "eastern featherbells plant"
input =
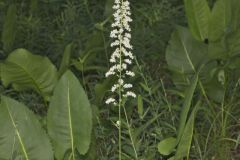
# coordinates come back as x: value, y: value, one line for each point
x: 121, y: 59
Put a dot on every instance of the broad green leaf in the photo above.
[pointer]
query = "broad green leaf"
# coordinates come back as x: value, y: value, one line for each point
x: 65, y: 59
x: 185, y: 132
x: 184, y: 54
x: 198, y: 13
x: 186, y: 107
x: 69, y: 118
x: 26, y: 71
x: 167, y: 146
x: 92, y: 152
x: 220, y: 19
x: 184, y: 145
x: 9, y: 28
x: 21, y: 134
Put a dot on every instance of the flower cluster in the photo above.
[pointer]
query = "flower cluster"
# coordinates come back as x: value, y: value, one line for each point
x: 122, y: 56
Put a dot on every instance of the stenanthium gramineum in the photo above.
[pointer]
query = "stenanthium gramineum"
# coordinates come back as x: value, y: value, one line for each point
x: 122, y: 56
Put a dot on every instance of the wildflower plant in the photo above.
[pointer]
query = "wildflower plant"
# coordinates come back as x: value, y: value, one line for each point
x: 122, y: 56
x: 121, y: 59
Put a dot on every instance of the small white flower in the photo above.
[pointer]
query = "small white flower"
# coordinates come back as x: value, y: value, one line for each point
x: 119, y: 68
x: 130, y: 94
x: 121, y: 30
x: 118, y: 123
x: 128, y: 61
x: 127, y: 53
x: 109, y: 73
x: 115, y: 55
x: 130, y: 73
x: 120, y: 81
x: 127, y: 86
x: 110, y: 100
x: 128, y: 35
x: 116, y: 6
x: 126, y: 43
x: 124, y: 66
x: 126, y: 3
x: 115, y: 87
x: 114, y: 33
x: 113, y: 60
x: 115, y: 43
x: 117, y: 1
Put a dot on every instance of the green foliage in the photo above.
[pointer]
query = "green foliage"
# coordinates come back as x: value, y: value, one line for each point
x: 68, y: 105
x: 186, y: 107
x: 166, y: 146
x: 21, y: 133
x: 220, y: 19
x: 204, y: 56
x: 185, y: 142
x: 69, y: 117
x: 185, y: 130
x: 210, y: 49
x: 198, y: 13
x: 74, y: 35
x: 25, y: 71
x: 185, y: 55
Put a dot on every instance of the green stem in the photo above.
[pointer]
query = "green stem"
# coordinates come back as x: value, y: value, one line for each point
x: 120, y: 94
x: 119, y: 129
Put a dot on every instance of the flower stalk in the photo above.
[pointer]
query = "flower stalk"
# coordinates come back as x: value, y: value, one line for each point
x: 120, y: 61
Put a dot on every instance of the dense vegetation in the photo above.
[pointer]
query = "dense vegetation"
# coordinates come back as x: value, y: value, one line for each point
x: 53, y: 58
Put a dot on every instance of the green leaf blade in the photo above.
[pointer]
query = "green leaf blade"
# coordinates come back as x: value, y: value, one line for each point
x: 186, y: 106
x: 198, y: 13
x: 167, y: 146
x: 184, y: 54
x: 21, y: 133
x: 186, y: 139
x: 27, y: 71
x: 69, y: 117
x: 220, y: 19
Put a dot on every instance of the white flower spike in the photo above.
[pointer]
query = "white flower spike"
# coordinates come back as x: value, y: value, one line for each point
x: 122, y: 56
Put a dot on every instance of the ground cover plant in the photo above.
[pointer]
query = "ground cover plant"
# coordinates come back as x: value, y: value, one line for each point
x: 119, y: 79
